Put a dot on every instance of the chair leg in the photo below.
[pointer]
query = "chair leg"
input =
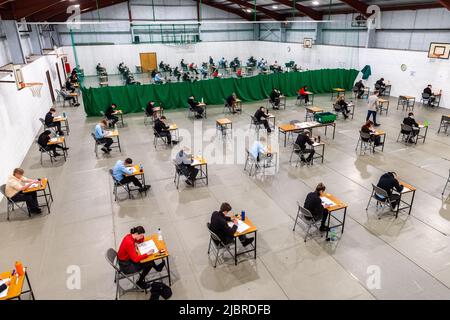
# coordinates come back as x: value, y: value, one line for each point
x: 296, y: 219
x: 209, y: 246
x: 217, y: 257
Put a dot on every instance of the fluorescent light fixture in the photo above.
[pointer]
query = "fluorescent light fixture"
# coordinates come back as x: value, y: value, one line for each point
x: 248, y: 10
x: 316, y: 3
x: 274, y: 7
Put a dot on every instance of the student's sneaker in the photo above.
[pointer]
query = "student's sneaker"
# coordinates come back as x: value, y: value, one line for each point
x: 144, y: 188
x: 324, y: 228
x: 105, y: 150
x: 61, y: 133
x: 36, y: 211
x: 143, y: 285
x: 377, y: 125
x: 247, y: 241
x: 109, y: 149
x: 65, y: 148
x: 76, y: 104
x: 160, y: 266
x: 188, y: 182
x: 56, y: 154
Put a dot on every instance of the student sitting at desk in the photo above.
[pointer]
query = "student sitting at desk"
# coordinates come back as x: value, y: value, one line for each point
x: 211, y: 60
x: 158, y: 79
x: 109, y: 114
x: 343, y: 106
x: 303, y: 94
x: 195, y: 106
x: 232, y: 101
x: 410, y: 121
x: 163, y: 129
x: 44, y: 139
x: 275, y: 98
x: 359, y: 89
x: 239, y: 73
x: 186, y: 77
x: 123, y: 168
x: 177, y: 74
x: 389, y: 182
x: 184, y: 160
x: 130, y: 260
x: 219, y: 225
x: 302, y: 140
x: 261, y: 116
x: 380, y: 86
x: 319, y: 211
x: 100, y: 135
x: 183, y: 65
x: 149, y: 109
x: 74, y: 76
x: 69, y: 86
x: 49, y: 117
x: 369, y: 129
x: 15, y: 186
x: 259, y: 150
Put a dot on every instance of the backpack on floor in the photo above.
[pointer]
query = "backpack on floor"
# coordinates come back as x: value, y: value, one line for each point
x: 160, y: 289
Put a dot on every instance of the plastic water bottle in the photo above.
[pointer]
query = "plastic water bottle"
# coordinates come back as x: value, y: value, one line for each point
x: 202, y: 100
x: 425, y: 123
x: 243, y: 215
x: 64, y: 114
x: 141, y: 167
x: 332, y: 234
x: 160, y: 237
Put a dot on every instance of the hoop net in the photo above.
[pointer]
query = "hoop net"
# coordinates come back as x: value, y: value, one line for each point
x: 35, y: 88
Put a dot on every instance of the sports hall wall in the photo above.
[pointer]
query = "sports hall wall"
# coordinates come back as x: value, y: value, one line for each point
x: 20, y: 111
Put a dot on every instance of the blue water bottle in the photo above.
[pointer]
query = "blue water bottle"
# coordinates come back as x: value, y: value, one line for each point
x: 64, y: 114
x: 243, y: 215
x: 141, y: 167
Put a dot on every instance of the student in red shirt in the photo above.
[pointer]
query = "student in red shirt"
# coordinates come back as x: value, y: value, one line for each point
x: 130, y: 260
x: 239, y: 73
x: 302, y: 94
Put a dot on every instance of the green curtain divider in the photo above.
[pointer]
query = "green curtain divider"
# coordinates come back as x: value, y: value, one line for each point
x: 174, y: 95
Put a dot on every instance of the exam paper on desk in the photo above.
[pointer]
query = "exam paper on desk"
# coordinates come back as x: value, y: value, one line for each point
x: 5, y: 292
x: 242, y: 226
x: 327, y: 201
x: 146, y: 246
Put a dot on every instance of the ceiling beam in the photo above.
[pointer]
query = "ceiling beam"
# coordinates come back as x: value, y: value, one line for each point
x: 359, y: 6
x: 313, y: 14
x: 24, y: 9
x: 223, y: 7
x: 417, y: 6
x: 268, y: 13
x: 445, y: 3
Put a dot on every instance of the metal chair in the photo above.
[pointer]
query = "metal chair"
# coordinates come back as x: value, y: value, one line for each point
x: 382, y: 200
x: 43, y: 151
x: 446, y: 184
x: 218, y: 245
x: 157, y: 136
x: 256, y: 123
x: 148, y: 118
x: 10, y: 204
x: 180, y: 171
x: 64, y: 95
x: 47, y: 127
x: 364, y: 143
x: 111, y: 257
x: 425, y: 98
x: 117, y: 184
x: 97, y: 143
x: 445, y: 123
x: 300, y: 154
x: 406, y: 132
x: 307, y: 218
x: 226, y: 107
x: 252, y: 161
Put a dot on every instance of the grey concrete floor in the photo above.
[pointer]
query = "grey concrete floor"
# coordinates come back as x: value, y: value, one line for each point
x: 410, y: 254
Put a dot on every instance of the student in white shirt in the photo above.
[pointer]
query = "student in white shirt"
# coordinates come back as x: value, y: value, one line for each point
x: 258, y: 150
x: 15, y: 186
x: 372, y: 104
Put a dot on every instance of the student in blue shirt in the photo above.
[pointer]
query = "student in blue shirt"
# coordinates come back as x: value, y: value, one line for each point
x: 100, y: 136
x: 158, y: 78
x: 122, y: 172
x: 258, y: 150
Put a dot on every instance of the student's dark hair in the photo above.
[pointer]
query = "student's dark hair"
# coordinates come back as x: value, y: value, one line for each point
x: 382, y: 79
x: 376, y: 92
x: 104, y: 122
x: 410, y: 114
x: 163, y: 117
x: 368, y: 123
x: 320, y: 187
x: 113, y: 104
x: 225, y: 207
x: 52, y: 109
x: 262, y: 107
x: 128, y: 161
x: 47, y: 132
x: 138, y: 230
x: 18, y: 171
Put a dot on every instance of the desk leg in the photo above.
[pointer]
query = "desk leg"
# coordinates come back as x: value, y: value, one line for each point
x: 49, y: 190
x: 168, y: 271
x: 29, y: 286
x: 328, y: 224
x: 118, y: 143
x: 384, y: 141
x: 235, y: 251
x: 334, y: 129
x: 425, y: 135
x: 412, y: 201
x: 323, y: 152
x: 206, y: 173
x: 343, y: 220
x: 46, y: 201
x: 285, y: 139
x: 255, y: 243
x: 398, y: 206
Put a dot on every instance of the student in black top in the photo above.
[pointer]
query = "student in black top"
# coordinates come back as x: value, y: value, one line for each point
x: 275, y: 98
x: 186, y: 77
x: 50, y: 123
x: 219, y: 225
x: 410, y: 121
x: 231, y: 101
x: 389, y: 182
x: 359, y: 89
x: 183, y: 65
x: 368, y: 128
x: 70, y: 89
x: 163, y: 129
x: 261, y: 116
x: 195, y: 105
x: 302, y: 140
x: 342, y: 106
x: 176, y: 73
x: 109, y: 114
x: 44, y: 139
x: 211, y: 60
x: 313, y: 203
x: 149, y: 109
x: 429, y: 91
x: 380, y: 86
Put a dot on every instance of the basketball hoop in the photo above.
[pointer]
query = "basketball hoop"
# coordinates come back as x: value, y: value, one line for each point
x: 35, y: 88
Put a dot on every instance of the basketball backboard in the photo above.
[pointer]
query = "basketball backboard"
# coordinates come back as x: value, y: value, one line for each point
x: 439, y: 50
